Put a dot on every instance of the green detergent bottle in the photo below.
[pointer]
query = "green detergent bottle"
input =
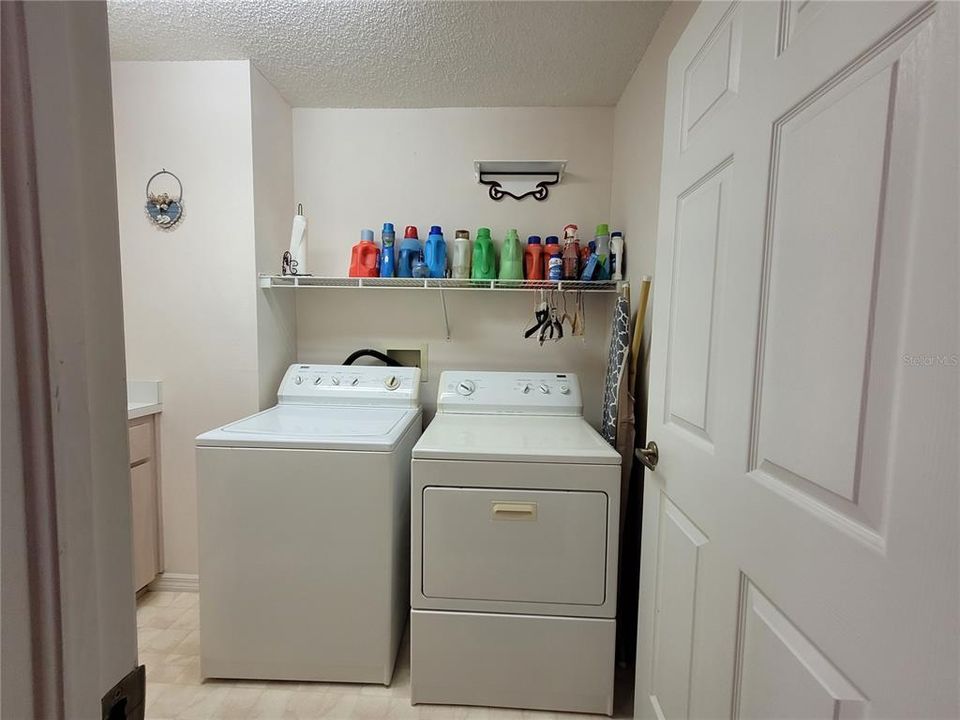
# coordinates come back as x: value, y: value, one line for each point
x: 511, y: 257
x: 484, y: 265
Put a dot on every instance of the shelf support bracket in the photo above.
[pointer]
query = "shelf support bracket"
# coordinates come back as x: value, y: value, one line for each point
x: 443, y: 306
x: 538, y: 175
x: 539, y: 192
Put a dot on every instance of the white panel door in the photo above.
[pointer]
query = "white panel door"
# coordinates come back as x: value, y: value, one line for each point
x: 800, y: 533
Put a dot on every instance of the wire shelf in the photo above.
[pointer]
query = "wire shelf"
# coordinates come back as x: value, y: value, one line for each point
x: 310, y: 281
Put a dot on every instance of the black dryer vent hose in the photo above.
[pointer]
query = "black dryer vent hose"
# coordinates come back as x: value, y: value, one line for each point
x: 368, y: 352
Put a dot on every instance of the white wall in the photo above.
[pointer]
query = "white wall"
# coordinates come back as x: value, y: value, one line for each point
x: 359, y: 168
x: 273, y: 212
x: 637, y: 149
x: 189, y: 297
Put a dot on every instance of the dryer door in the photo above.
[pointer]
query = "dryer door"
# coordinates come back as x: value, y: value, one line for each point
x: 536, y: 546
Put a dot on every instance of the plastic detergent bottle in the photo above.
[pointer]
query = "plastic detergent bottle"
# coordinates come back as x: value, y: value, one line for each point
x: 365, y: 256
x: 552, y: 259
x: 484, y: 257
x: 435, y: 252
x: 533, y: 258
x: 409, y: 252
x: 589, y: 262
x: 585, y: 251
x: 616, y: 255
x: 420, y: 268
x: 603, y: 252
x: 571, y: 253
x: 461, y: 255
x: 511, y: 257
x: 387, y: 261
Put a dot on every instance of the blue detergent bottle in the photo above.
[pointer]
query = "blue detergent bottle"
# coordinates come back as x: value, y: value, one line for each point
x: 409, y: 252
x: 420, y: 268
x: 435, y: 253
x: 387, y: 260
x: 591, y: 267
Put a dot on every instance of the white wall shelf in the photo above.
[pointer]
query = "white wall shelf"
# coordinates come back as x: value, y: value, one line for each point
x: 519, y: 179
x: 310, y: 281
x: 617, y: 287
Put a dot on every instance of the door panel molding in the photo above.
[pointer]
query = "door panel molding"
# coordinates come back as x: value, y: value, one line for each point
x: 713, y: 75
x: 779, y: 669
x: 678, y: 549
x: 795, y: 17
x: 694, y: 302
x: 864, y: 101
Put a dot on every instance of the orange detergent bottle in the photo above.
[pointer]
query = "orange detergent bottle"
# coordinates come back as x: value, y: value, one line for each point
x: 533, y: 259
x: 365, y: 258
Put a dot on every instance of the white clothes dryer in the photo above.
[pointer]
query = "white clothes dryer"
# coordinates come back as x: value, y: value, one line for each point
x: 515, y: 507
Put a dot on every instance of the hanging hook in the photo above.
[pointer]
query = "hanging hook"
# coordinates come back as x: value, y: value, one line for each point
x: 299, y: 208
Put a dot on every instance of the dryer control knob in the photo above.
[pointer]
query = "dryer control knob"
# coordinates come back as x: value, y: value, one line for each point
x: 318, y: 380
x: 298, y: 379
x: 391, y: 382
x: 355, y: 381
x: 335, y: 380
x: 544, y: 388
x: 526, y: 388
x: 466, y: 387
x: 564, y: 390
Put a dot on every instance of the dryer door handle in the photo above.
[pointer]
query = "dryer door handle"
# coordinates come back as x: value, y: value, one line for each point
x: 514, y: 510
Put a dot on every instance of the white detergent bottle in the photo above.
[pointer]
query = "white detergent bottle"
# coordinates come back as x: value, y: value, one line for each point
x: 461, y: 255
x: 616, y: 255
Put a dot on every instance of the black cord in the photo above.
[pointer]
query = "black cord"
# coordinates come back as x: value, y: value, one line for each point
x: 386, y: 359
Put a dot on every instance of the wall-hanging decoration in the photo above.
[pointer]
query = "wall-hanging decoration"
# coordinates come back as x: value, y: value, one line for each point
x: 164, y: 209
x: 519, y: 179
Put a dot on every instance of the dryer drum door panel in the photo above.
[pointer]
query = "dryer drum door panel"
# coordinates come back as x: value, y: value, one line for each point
x: 535, y: 546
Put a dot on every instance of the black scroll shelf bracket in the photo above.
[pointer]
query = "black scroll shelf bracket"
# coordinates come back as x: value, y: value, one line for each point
x: 540, y: 192
x: 551, y: 171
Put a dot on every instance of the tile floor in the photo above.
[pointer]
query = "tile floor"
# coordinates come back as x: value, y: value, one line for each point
x: 168, y: 629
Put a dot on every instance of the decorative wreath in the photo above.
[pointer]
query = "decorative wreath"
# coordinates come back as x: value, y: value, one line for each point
x: 162, y: 210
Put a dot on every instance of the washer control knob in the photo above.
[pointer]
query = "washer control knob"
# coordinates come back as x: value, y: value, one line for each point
x: 564, y: 389
x: 526, y: 388
x: 392, y: 382
x: 355, y: 381
x: 318, y: 380
x: 466, y: 387
x: 298, y: 379
x: 544, y: 388
x: 335, y: 380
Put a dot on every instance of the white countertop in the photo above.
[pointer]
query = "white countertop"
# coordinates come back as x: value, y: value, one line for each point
x: 143, y: 398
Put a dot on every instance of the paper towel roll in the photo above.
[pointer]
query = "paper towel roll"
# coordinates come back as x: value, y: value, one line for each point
x: 298, y: 245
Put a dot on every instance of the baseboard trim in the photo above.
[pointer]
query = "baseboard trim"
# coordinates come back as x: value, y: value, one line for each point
x: 175, y: 582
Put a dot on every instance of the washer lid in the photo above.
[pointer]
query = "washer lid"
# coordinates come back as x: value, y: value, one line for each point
x: 315, y: 427
x: 558, y: 439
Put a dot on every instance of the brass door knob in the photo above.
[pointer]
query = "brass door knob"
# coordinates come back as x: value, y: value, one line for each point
x: 649, y: 456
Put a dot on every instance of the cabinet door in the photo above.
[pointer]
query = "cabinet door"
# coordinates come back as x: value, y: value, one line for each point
x: 144, y: 517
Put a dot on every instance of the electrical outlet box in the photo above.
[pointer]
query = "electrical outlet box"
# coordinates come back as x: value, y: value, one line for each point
x: 411, y: 357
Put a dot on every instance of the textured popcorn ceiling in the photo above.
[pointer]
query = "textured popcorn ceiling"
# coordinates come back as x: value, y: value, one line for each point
x: 361, y: 53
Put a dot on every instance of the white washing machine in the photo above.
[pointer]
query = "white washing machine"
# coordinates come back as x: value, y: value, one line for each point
x: 304, y: 529
x: 515, y: 505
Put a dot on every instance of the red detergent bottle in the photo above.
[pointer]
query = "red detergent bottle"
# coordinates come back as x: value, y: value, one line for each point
x: 533, y: 259
x: 552, y: 259
x: 364, y: 260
